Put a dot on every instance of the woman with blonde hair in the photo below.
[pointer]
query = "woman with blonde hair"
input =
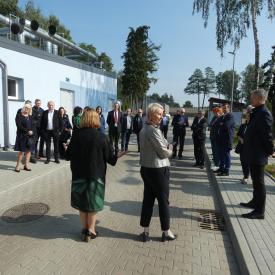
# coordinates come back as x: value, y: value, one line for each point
x: 89, y: 152
x: 25, y: 140
x: 154, y: 153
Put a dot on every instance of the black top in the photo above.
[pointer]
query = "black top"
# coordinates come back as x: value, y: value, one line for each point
x: 258, y: 142
x: 24, y: 124
x: 137, y: 123
x: 124, y: 123
x: 37, y: 113
x: 199, y: 128
x: 89, y: 151
x: 214, y: 126
x: 111, y: 121
x: 180, y: 122
x: 226, y: 130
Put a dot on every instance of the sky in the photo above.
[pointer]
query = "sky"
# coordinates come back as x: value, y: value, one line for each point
x: 185, y: 43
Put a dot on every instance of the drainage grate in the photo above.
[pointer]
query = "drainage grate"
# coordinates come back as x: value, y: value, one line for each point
x: 25, y: 212
x: 211, y: 220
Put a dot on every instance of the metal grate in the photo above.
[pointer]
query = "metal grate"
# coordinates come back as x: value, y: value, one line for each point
x: 25, y: 212
x: 211, y: 220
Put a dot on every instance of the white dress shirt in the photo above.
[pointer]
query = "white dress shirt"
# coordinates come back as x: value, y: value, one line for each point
x: 50, y: 120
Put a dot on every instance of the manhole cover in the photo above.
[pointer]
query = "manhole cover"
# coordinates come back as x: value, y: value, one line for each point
x: 25, y: 212
x: 211, y: 220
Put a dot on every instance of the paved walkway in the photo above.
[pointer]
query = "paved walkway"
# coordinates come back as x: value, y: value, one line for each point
x: 253, y: 240
x: 51, y: 245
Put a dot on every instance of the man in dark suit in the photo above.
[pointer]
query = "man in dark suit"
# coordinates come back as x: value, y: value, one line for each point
x: 225, y: 140
x: 37, y: 113
x: 180, y: 122
x: 51, y: 124
x: 114, y: 119
x: 164, y: 124
x: 257, y: 146
x: 199, y: 134
x: 137, y: 125
x: 126, y: 129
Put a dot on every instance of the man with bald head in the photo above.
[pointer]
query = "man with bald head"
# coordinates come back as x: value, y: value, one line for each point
x: 51, y: 125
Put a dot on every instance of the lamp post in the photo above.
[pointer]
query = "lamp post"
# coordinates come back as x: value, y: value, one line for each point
x: 233, y: 80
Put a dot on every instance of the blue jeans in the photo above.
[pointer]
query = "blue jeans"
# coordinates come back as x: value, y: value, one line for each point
x: 125, y: 137
x: 225, y: 158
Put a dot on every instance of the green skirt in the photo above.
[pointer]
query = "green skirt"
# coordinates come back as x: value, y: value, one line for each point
x: 88, y: 196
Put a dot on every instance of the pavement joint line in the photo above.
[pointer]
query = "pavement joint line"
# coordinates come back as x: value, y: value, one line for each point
x: 34, y: 178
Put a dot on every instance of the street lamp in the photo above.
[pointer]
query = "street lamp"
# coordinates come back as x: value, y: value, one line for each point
x: 233, y: 80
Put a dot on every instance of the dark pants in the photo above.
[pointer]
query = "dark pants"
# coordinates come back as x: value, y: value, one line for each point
x: 215, y: 152
x: 138, y: 141
x: 245, y: 166
x: 178, y: 137
x: 199, y: 150
x: 156, y: 185
x: 40, y: 136
x: 164, y: 130
x: 48, y: 137
x: 259, y: 192
x: 114, y: 137
x: 225, y: 158
x: 125, y: 137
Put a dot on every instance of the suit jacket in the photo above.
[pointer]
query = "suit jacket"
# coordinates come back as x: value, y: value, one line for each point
x: 258, y: 142
x: 111, y: 121
x: 124, y: 124
x: 57, y: 122
x: 226, y: 131
x: 177, y: 126
x: 37, y: 116
x: 199, y: 128
x: 214, y: 127
x: 137, y: 124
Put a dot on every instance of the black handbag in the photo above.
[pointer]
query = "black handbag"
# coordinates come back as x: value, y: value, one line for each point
x: 239, y: 148
x: 30, y: 141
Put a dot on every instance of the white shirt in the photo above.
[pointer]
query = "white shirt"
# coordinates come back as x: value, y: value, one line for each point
x: 50, y: 120
x: 128, y: 122
x: 115, y: 116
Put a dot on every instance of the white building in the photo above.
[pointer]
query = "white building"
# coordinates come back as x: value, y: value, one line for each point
x: 33, y: 73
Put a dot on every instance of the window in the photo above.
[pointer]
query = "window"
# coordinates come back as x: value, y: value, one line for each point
x: 12, y: 89
x: 15, y: 88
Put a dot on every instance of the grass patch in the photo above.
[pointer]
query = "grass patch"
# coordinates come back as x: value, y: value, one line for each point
x: 270, y: 168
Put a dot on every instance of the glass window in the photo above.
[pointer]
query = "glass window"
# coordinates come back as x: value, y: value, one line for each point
x: 12, y: 89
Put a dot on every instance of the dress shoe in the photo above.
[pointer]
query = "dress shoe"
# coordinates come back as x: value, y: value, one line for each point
x: 217, y: 171
x: 47, y: 161
x: 17, y: 170
x: 254, y: 215
x: 248, y: 204
x: 165, y: 238
x: 144, y: 237
x: 57, y: 161
x: 32, y: 160
x: 173, y: 156
x: 179, y: 157
x: 223, y: 174
x: 27, y: 169
x: 201, y: 166
x: 196, y: 165
x: 83, y: 234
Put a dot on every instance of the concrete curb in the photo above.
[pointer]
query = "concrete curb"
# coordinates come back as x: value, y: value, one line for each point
x: 245, y: 259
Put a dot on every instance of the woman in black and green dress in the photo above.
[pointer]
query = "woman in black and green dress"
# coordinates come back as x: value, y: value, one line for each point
x: 89, y: 152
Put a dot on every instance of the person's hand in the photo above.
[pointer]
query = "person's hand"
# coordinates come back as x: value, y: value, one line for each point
x: 30, y: 133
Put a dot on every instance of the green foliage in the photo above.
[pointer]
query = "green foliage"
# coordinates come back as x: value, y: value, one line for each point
x: 195, y: 84
x: 9, y: 7
x: 107, y: 62
x: 224, y: 85
x: 209, y: 83
x: 140, y: 62
x: 188, y: 104
x: 165, y: 98
x: 248, y: 83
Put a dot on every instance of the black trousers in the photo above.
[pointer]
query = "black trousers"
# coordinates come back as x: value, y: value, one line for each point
x: 40, y: 136
x: 156, y: 186
x: 199, y: 150
x: 259, y: 192
x: 164, y: 130
x: 179, y: 137
x: 114, y: 138
x: 48, y: 137
x: 138, y: 141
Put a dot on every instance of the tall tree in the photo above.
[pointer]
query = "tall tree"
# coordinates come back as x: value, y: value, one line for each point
x: 234, y: 18
x: 226, y: 86
x: 107, y: 62
x: 209, y: 83
x: 247, y: 80
x: 188, y: 104
x: 140, y: 62
x: 195, y: 84
x: 219, y: 84
x: 10, y: 7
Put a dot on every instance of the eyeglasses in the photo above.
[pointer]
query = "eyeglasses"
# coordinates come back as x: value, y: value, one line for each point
x: 140, y: 112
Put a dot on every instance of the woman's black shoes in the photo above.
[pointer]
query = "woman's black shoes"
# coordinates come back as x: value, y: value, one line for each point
x: 87, y: 235
x: 145, y: 237
x: 27, y: 169
x: 165, y: 238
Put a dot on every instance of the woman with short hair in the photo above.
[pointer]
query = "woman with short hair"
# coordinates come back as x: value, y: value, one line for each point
x: 102, y: 119
x: 155, y: 173
x: 25, y: 139
x: 89, y: 152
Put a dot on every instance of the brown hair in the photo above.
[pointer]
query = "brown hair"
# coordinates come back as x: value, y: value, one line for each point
x: 90, y: 119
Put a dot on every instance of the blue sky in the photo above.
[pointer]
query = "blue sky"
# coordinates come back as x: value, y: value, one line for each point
x: 186, y: 44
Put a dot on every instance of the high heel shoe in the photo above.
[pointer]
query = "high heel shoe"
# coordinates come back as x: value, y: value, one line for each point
x: 144, y: 237
x: 16, y: 170
x: 92, y: 235
x: 165, y: 238
x: 83, y: 234
x: 27, y: 169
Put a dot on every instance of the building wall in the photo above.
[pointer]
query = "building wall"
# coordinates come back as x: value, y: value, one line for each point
x: 43, y: 78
